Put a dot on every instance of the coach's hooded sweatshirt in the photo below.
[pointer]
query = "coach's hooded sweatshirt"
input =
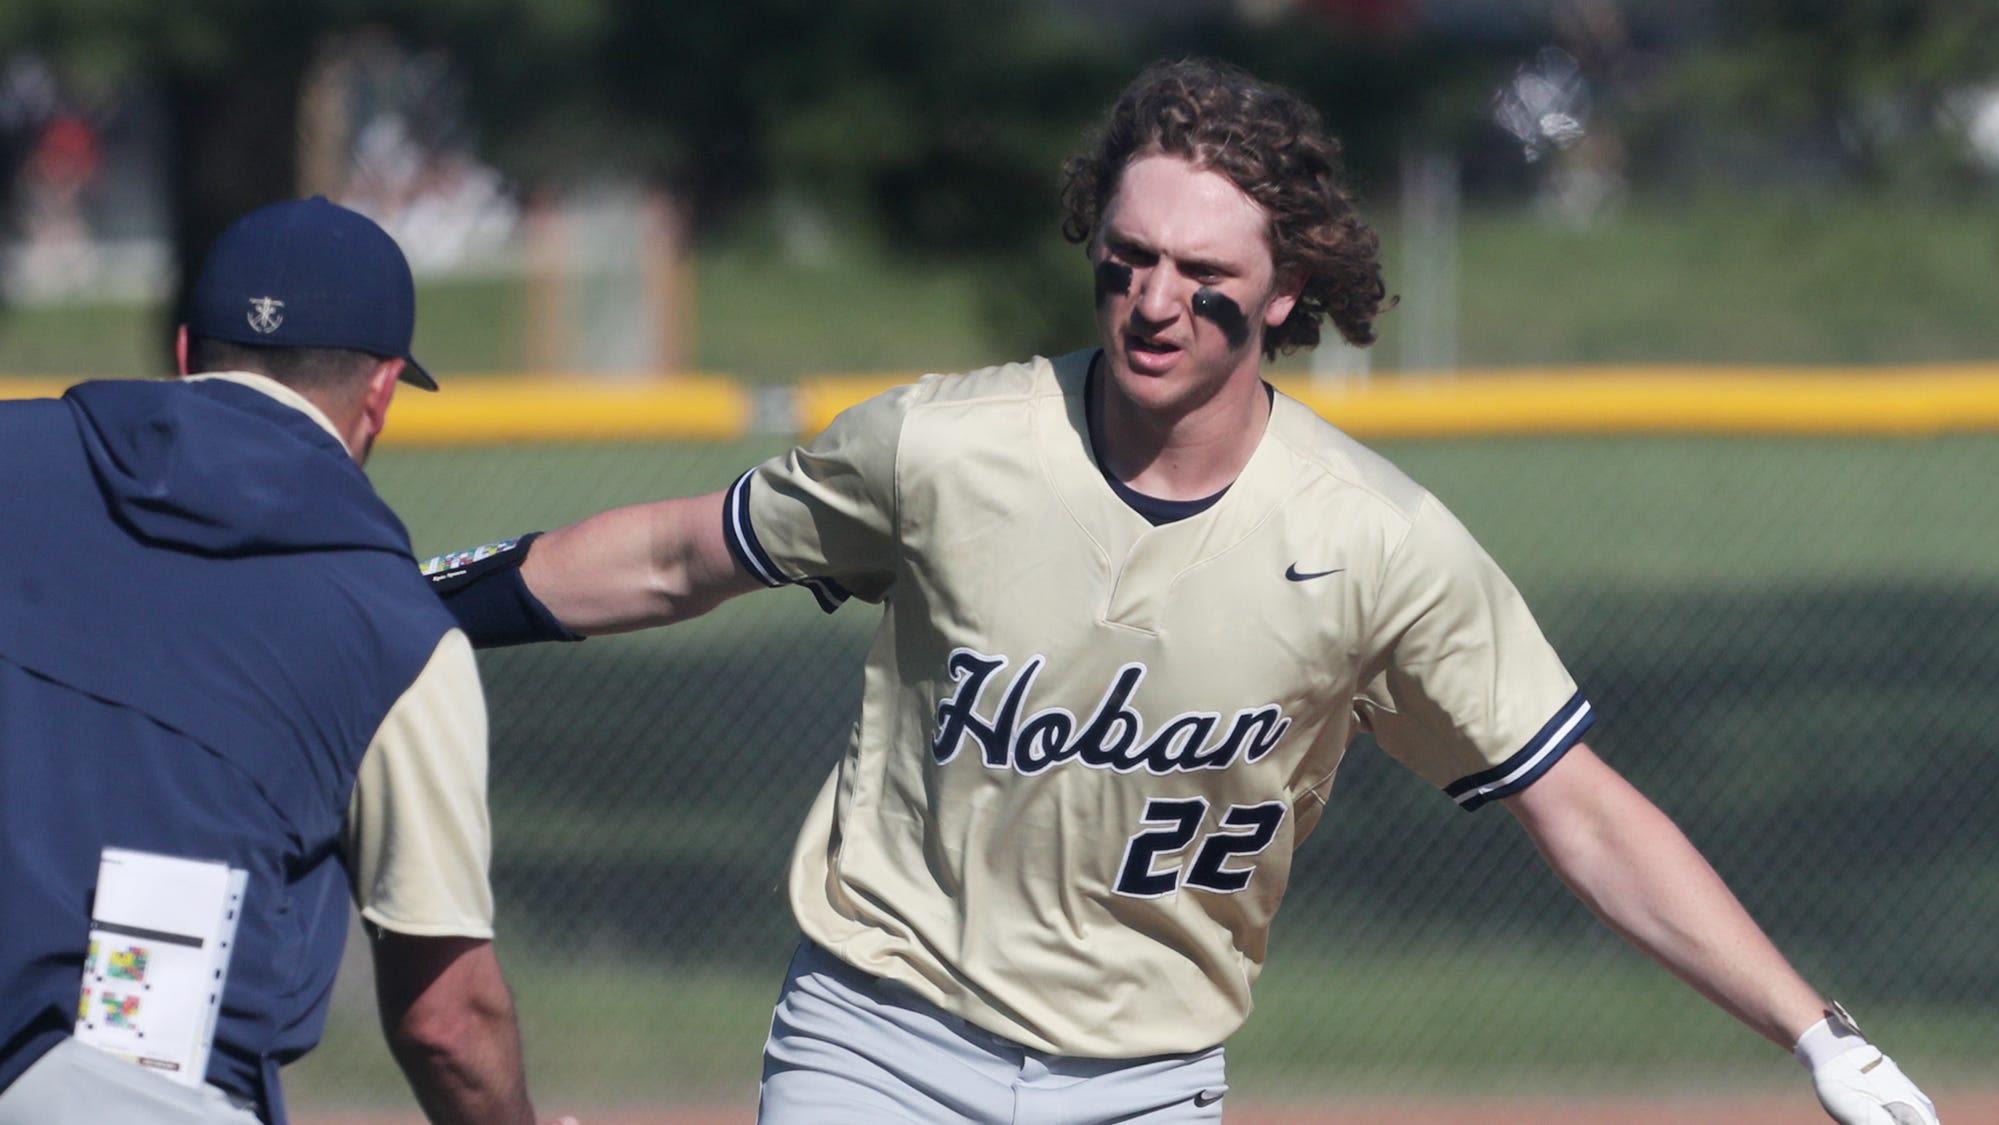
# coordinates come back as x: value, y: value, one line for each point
x: 205, y: 614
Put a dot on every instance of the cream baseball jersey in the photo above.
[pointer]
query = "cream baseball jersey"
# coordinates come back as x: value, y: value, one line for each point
x: 1089, y: 746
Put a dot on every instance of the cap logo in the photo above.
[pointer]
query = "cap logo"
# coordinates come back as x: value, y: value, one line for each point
x: 264, y: 315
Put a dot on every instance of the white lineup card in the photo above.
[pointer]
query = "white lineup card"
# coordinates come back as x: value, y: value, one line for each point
x: 161, y: 929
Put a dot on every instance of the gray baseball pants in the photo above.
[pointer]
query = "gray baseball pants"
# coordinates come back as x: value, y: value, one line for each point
x: 847, y: 1048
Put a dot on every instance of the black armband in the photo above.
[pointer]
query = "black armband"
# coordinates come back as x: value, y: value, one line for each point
x: 484, y: 590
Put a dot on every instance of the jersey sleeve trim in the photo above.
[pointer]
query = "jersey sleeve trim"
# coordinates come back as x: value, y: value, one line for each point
x: 741, y: 537
x: 1526, y: 765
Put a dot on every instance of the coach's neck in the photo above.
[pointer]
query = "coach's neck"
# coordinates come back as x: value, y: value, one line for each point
x: 357, y: 406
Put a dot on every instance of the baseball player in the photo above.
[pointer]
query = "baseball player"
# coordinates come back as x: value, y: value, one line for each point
x: 1135, y: 604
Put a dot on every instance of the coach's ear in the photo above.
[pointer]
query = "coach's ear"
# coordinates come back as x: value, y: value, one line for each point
x: 382, y: 390
x: 180, y: 350
x: 374, y: 415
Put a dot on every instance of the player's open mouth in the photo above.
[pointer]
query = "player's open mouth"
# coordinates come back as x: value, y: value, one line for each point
x: 1149, y: 355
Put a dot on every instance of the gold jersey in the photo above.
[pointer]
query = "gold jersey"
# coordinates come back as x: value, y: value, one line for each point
x: 1088, y: 746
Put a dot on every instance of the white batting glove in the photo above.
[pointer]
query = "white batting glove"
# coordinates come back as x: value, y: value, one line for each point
x: 1856, y: 1083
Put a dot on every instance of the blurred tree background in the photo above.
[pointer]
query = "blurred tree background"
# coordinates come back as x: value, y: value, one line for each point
x: 931, y: 134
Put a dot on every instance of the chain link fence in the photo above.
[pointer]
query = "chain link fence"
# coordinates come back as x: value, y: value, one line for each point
x: 1791, y: 642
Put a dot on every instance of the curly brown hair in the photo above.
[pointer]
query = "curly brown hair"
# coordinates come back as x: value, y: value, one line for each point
x: 1268, y: 141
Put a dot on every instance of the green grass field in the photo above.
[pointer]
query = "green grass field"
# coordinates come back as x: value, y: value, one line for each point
x: 1730, y: 281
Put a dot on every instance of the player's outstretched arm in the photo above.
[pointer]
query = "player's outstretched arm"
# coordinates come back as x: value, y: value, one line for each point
x: 1634, y: 868
x: 624, y: 569
x: 637, y: 566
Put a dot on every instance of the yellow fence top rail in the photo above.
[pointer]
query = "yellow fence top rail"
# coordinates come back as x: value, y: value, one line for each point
x: 683, y: 407
x: 495, y: 409
x: 36, y: 387
x: 1604, y: 400
x: 1909, y: 400
x: 1880, y: 400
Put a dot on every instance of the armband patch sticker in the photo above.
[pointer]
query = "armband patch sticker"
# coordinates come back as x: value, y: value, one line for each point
x: 434, y: 566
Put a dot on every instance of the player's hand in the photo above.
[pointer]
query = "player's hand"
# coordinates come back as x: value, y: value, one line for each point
x: 1862, y: 1086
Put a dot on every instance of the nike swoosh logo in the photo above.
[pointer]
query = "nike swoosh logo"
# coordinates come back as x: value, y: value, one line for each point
x: 1207, y: 1098
x: 1294, y: 574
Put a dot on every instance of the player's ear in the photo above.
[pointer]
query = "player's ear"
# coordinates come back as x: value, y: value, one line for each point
x: 1290, y: 284
x: 180, y: 350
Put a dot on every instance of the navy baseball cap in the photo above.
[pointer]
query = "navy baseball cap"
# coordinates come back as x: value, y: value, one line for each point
x: 309, y: 273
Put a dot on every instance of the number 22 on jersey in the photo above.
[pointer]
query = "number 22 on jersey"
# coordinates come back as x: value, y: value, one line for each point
x: 1147, y: 871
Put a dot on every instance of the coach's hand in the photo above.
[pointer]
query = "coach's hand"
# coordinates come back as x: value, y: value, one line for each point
x: 1856, y: 1082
